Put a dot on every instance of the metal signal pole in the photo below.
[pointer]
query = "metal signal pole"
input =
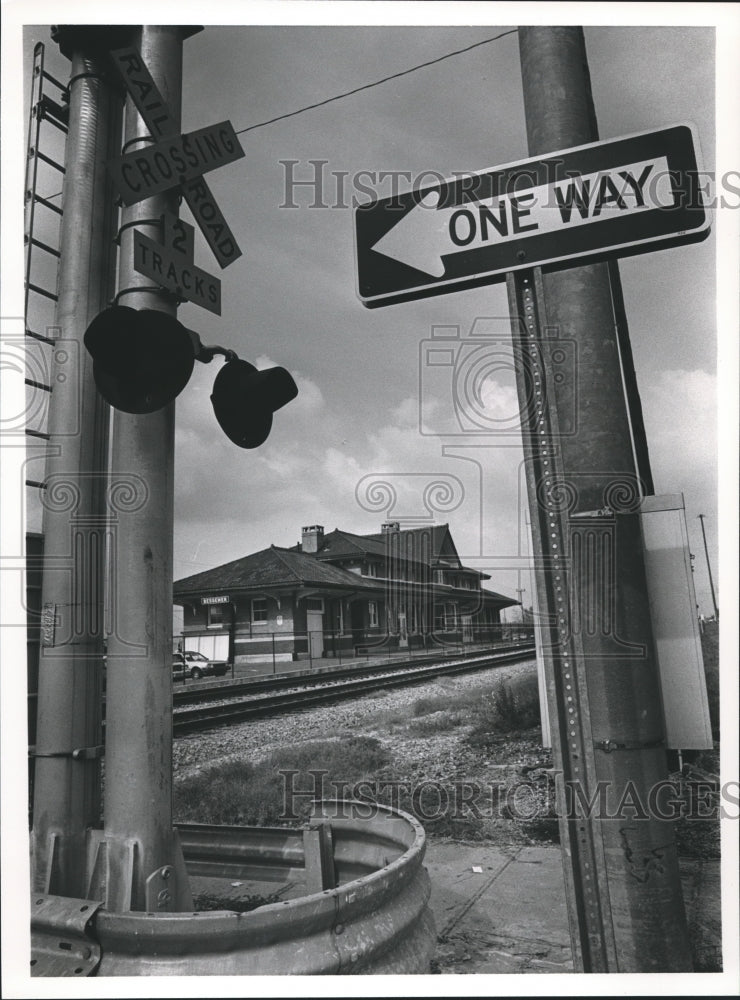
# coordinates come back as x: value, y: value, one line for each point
x: 69, y: 737
x: 620, y: 863
x: 709, y: 568
x: 139, y: 862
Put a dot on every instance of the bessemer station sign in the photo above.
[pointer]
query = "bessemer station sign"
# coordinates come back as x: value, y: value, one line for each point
x: 613, y: 198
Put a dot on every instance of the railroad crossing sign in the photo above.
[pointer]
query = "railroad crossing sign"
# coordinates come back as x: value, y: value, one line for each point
x: 175, y: 160
x: 622, y: 196
x: 170, y: 264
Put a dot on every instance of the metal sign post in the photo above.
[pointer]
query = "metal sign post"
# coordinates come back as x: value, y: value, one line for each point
x: 542, y: 224
x: 584, y: 862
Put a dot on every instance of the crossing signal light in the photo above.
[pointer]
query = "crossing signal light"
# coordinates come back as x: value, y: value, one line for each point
x: 245, y: 399
x: 143, y: 359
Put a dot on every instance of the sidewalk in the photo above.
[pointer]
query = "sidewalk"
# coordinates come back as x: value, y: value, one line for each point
x: 511, y: 916
x: 508, y: 917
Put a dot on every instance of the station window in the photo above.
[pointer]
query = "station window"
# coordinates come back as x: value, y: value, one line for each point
x: 216, y: 615
x: 259, y: 611
x: 372, y: 614
x: 314, y: 604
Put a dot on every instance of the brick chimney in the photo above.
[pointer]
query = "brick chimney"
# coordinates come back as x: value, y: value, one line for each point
x: 389, y: 527
x: 311, y: 538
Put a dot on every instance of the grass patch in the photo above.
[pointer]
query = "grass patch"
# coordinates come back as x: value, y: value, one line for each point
x: 504, y: 707
x: 239, y: 793
x: 440, y: 806
x: 508, y: 708
x: 438, y: 722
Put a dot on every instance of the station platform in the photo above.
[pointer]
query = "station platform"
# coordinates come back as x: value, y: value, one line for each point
x: 327, y: 664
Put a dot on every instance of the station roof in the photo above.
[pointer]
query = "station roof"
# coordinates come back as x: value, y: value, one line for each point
x: 274, y: 567
x: 431, y: 545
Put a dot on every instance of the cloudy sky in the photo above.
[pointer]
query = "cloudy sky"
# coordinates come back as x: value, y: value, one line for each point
x: 369, y: 435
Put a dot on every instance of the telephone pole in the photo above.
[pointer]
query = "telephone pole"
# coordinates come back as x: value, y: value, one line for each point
x: 519, y: 592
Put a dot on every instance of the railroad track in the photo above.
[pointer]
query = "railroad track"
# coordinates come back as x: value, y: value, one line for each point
x: 323, y: 691
x: 192, y: 695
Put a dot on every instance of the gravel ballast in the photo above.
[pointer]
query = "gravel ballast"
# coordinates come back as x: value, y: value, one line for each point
x: 254, y: 740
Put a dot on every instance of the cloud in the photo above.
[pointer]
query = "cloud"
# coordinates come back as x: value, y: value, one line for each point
x: 319, y: 466
x: 310, y: 399
x: 680, y: 411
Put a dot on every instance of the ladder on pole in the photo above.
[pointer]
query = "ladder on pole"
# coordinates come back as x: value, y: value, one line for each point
x: 44, y: 172
x: 44, y: 177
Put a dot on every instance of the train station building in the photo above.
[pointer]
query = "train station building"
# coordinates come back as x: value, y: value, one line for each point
x: 340, y: 594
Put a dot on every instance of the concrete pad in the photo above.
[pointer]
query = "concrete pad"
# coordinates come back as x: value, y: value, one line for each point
x: 510, y: 917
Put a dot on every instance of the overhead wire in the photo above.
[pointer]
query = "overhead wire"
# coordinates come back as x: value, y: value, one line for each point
x: 377, y: 83
x: 369, y: 86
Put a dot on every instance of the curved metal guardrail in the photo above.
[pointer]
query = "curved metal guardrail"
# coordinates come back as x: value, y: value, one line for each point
x: 375, y: 921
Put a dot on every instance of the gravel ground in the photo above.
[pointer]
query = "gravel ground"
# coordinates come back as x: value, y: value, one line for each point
x: 435, y: 756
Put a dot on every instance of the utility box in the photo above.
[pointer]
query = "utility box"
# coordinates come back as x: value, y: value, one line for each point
x: 674, y: 617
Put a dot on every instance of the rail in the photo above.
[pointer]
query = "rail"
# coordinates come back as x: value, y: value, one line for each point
x: 230, y: 712
x: 191, y: 693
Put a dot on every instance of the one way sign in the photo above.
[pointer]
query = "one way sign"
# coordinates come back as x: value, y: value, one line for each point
x: 613, y: 198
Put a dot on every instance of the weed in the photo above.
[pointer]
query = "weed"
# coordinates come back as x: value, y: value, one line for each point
x: 438, y: 722
x: 427, y: 706
x: 506, y: 709
x: 239, y: 793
